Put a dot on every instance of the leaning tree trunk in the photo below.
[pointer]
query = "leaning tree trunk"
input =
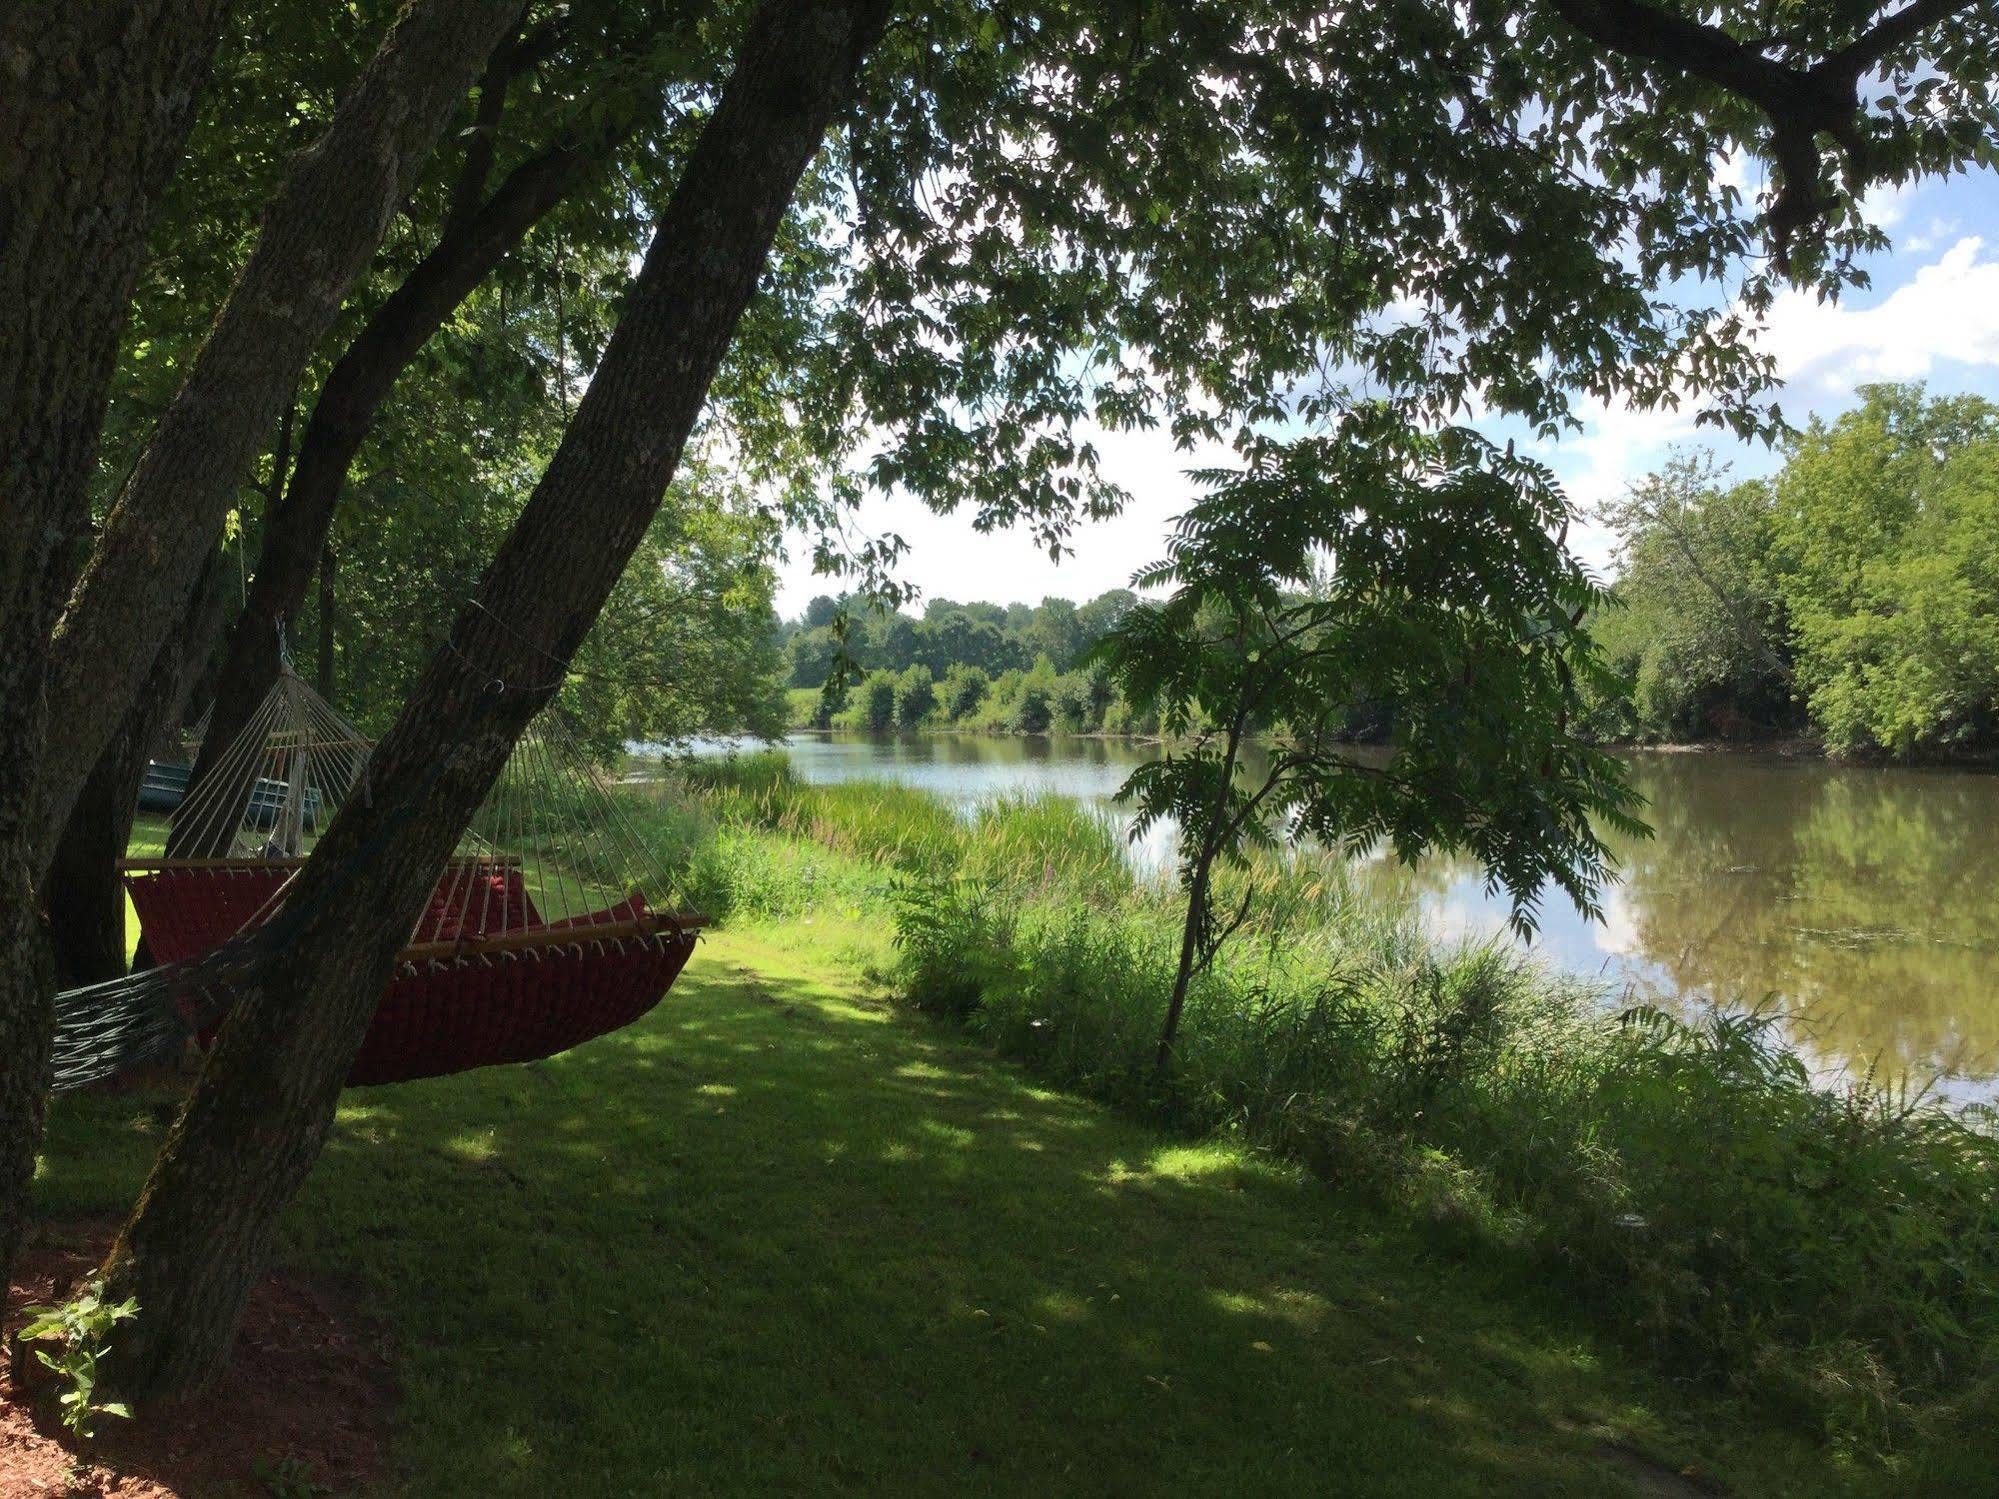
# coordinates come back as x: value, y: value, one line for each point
x: 323, y: 676
x: 295, y: 530
x: 257, y: 1117
x: 317, y: 238
x: 94, y: 108
x: 83, y: 892
x: 98, y: 100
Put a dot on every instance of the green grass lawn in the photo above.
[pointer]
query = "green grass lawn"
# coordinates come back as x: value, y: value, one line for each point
x: 780, y: 1238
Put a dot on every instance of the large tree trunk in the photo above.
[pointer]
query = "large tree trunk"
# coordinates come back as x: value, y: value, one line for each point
x: 323, y: 676
x: 98, y: 99
x: 295, y: 531
x: 256, y: 1119
x: 27, y: 1030
x: 83, y: 892
x: 317, y: 237
x: 94, y: 109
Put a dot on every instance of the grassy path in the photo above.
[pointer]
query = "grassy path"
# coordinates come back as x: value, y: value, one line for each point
x: 778, y: 1238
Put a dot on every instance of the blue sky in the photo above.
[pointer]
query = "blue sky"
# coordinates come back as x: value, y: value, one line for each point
x: 1931, y: 314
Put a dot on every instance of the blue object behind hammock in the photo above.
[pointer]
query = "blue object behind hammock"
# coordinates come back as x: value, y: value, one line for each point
x: 165, y: 788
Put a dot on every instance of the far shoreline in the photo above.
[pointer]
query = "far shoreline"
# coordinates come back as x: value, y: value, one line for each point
x: 1779, y: 746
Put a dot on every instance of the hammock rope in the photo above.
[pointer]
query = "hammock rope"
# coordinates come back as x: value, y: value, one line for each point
x: 551, y: 922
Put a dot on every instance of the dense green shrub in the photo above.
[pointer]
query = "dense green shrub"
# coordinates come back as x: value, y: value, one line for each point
x: 875, y: 701
x: 1855, y: 592
x: 1121, y: 718
x: 1699, y: 635
x: 1034, y: 710
x: 1034, y: 705
x: 808, y: 708
x: 961, y: 692
x: 1074, y: 704
x: 1887, y: 544
x: 915, y: 697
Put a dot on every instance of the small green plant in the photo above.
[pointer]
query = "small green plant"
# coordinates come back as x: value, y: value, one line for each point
x: 79, y: 1328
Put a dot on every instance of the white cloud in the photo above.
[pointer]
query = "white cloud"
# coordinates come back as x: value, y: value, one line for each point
x: 1614, y: 446
x: 1948, y: 310
x: 1928, y: 239
x: 1731, y: 169
x: 1887, y: 204
x: 947, y: 559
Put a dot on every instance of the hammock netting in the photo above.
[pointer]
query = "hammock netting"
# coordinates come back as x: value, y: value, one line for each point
x: 551, y: 923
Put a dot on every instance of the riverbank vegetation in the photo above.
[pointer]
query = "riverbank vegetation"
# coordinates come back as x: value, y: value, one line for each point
x: 1853, y: 594
x: 1849, y: 598
x: 1828, y: 1254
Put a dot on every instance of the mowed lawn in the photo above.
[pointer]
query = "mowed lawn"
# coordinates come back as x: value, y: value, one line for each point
x: 780, y: 1238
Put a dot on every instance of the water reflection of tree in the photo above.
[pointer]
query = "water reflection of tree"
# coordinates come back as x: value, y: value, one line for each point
x: 1863, y: 900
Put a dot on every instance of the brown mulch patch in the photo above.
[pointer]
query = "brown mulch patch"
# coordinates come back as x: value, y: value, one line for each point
x: 307, y: 1399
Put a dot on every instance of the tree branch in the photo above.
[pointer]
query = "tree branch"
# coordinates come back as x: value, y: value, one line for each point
x: 512, y: 58
x: 1904, y: 26
x: 1690, y: 46
x: 1800, y: 103
x: 482, y: 140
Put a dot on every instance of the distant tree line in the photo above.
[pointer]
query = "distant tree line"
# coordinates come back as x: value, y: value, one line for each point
x: 992, y: 668
x: 1003, y: 668
x: 1853, y: 595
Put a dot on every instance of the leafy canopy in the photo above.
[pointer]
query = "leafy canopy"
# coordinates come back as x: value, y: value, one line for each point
x: 685, y: 645
x: 1089, y: 216
x: 1080, y: 216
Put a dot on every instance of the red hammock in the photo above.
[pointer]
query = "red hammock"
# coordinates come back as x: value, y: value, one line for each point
x: 487, y: 979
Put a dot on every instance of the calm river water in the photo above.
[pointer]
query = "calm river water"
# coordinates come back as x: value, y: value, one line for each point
x: 1862, y: 902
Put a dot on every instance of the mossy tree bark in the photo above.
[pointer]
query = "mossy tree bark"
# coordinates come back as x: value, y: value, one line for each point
x: 96, y: 98
x: 259, y: 1113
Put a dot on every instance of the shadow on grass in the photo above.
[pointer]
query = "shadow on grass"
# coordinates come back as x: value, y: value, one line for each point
x: 770, y: 1240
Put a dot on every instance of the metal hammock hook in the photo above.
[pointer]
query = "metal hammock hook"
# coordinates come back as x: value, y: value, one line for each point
x: 284, y: 645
